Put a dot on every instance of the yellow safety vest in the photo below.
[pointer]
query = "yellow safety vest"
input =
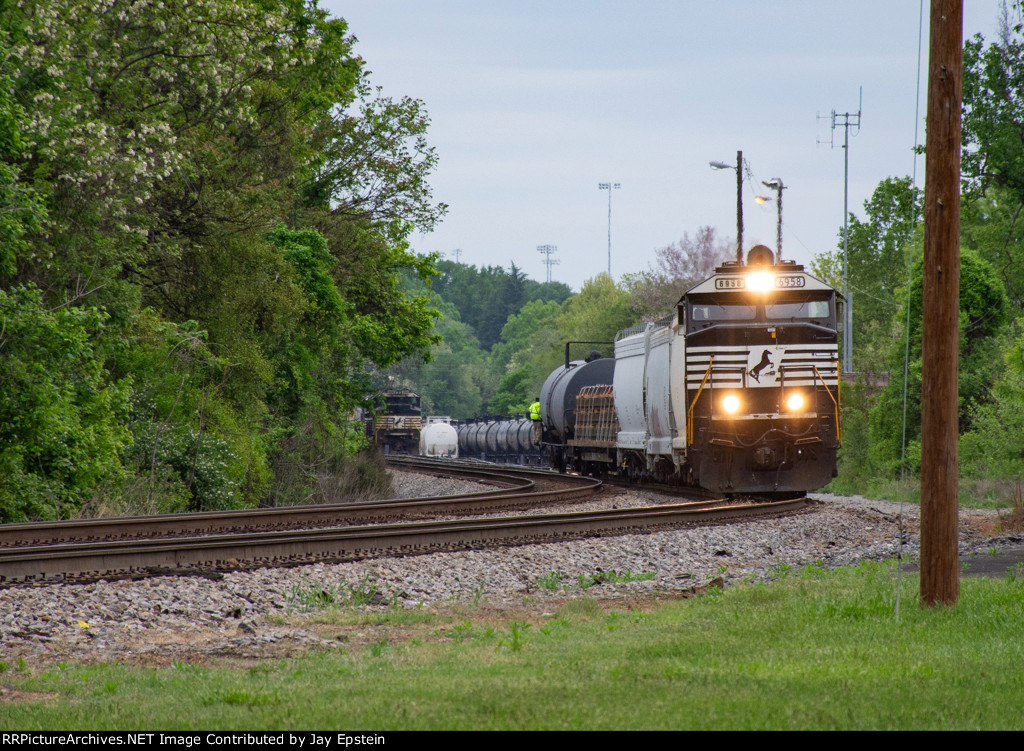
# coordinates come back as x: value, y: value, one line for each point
x: 535, y: 411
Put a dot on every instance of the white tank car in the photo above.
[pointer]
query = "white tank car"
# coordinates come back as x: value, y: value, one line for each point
x: 439, y: 439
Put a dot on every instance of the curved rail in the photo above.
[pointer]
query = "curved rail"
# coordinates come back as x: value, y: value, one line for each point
x: 174, y: 552
x: 291, y: 517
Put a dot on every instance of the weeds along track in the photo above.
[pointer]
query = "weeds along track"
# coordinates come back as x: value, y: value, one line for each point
x: 198, y: 544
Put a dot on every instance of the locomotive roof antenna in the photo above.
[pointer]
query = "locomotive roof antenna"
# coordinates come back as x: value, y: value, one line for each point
x: 608, y: 187
x: 546, y: 251
x: 847, y: 120
x: 739, y: 200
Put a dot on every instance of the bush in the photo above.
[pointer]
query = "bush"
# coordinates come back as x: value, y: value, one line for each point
x: 62, y: 427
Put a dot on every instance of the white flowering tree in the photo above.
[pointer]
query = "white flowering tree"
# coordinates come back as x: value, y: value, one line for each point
x: 164, y: 141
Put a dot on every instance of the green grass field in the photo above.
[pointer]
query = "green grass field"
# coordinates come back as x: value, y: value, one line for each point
x: 812, y: 650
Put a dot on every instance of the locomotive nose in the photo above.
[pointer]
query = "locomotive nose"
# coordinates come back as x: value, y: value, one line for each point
x: 764, y: 457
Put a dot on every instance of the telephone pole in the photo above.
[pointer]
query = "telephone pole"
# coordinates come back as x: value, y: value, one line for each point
x: 739, y: 200
x: 940, y: 308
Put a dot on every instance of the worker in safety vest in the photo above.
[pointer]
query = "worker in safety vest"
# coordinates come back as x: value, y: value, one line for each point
x: 535, y: 418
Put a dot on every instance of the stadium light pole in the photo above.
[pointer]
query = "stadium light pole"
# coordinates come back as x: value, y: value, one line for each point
x: 609, y: 187
x: 739, y: 199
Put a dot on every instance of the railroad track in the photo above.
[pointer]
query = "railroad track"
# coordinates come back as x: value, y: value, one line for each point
x: 196, y: 547
x: 513, y: 490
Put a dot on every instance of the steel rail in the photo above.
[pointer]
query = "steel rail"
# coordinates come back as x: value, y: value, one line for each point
x: 519, y: 491
x: 237, y: 552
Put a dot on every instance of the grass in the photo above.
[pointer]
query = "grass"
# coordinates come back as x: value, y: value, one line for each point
x: 977, y: 493
x: 816, y: 649
x: 312, y: 596
x: 560, y: 580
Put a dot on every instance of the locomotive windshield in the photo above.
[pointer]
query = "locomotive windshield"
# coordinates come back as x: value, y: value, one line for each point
x: 808, y: 309
x: 715, y: 312
x: 704, y: 311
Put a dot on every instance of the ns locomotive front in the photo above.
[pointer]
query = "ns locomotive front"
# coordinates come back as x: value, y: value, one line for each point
x: 396, y: 422
x: 737, y: 391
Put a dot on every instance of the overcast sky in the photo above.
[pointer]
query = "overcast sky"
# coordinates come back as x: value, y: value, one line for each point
x: 534, y: 103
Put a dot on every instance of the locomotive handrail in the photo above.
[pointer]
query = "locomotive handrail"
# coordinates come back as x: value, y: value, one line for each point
x: 693, y: 404
x: 739, y: 371
x: 834, y: 399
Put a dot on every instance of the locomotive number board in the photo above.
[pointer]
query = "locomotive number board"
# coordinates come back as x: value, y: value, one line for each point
x: 741, y: 283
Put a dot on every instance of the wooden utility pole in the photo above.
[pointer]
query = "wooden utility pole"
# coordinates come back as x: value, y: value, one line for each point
x: 940, y: 573
x: 739, y: 207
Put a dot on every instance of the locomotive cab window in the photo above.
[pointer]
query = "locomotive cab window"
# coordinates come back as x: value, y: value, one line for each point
x: 709, y: 311
x: 704, y: 311
x: 806, y: 310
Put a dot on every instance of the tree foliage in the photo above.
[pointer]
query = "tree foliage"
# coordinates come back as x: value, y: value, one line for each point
x: 486, y: 297
x: 597, y: 313
x: 61, y: 418
x: 992, y: 162
x: 208, y: 204
x: 878, y: 250
x: 984, y: 311
x: 678, y: 267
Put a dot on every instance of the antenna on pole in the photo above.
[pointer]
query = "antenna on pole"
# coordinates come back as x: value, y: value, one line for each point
x: 546, y: 251
x: 609, y: 187
x: 847, y: 120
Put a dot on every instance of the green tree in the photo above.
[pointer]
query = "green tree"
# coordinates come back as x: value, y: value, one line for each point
x: 61, y: 420
x: 993, y: 447
x: 455, y: 380
x: 485, y: 298
x: 679, y: 266
x: 556, y: 292
x: 984, y: 310
x: 532, y: 331
x: 877, y: 254
x: 597, y: 313
x: 221, y: 185
x: 992, y: 161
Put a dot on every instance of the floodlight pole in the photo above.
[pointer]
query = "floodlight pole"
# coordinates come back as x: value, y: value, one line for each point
x: 546, y: 251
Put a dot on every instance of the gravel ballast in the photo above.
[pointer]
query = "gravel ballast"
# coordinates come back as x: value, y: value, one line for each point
x: 253, y: 614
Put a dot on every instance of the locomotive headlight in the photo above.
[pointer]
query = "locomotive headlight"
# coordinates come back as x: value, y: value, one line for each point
x: 760, y: 281
x: 731, y: 404
x: 795, y: 402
